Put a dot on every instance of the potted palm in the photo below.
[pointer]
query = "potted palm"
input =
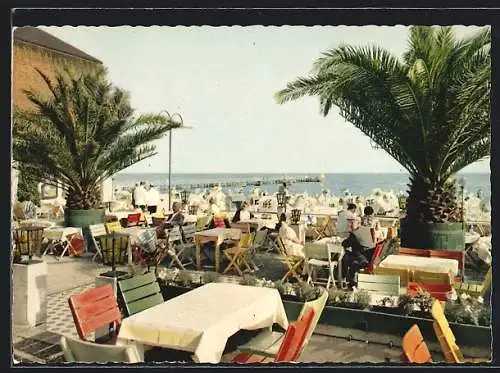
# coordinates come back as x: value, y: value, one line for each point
x: 430, y: 110
x: 80, y: 134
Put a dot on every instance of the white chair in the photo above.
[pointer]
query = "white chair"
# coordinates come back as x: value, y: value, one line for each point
x: 97, y: 230
x: 76, y: 350
x: 320, y: 256
x: 176, y: 250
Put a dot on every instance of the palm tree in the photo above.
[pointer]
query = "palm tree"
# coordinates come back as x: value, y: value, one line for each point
x: 429, y: 110
x: 81, y: 134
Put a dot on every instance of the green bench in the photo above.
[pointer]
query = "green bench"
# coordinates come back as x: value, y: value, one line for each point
x: 140, y: 292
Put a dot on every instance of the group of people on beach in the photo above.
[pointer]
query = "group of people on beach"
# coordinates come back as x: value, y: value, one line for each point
x: 146, y: 197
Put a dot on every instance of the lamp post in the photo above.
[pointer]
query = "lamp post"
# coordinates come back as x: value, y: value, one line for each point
x: 461, y: 184
x: 178, y: 122
x: 281, y: 197
x: 184, y: 197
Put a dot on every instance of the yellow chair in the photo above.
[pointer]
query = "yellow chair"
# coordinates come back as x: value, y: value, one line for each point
x: 425, y: 277
x: 202, y: 223
x: 293, y: 262
x: 114, y: 226
x: 446, y: 338
x: 236, y: 254
x: 404, y: 274
x: 474, y: 289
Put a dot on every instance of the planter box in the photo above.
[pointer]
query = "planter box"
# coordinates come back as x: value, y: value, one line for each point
x: 29, y: 293
x: 398, y: 325
x: 172, y: 291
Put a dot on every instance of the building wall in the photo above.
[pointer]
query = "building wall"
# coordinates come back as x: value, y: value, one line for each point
x: 26, y: 57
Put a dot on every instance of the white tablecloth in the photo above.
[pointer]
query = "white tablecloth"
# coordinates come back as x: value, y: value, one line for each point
x: 203, y: 319
x: 437, y: 265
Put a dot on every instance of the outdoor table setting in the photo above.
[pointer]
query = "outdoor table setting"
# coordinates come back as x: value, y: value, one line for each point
x: 436, y: 265
x: 217, y: 235
x: 58, y: 236
x: 202, y: 320
x: 258, y: 224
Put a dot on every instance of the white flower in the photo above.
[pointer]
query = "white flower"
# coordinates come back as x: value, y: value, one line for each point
x: 452, y: 295
x: 463, y: 296
x: 480, y: 299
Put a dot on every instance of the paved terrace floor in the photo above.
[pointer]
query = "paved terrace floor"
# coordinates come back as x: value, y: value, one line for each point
x: 73, y: 275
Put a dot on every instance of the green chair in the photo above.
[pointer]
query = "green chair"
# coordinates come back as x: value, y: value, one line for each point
x: 140, y: 292
x: 76, y: 350
x: 267, y: 343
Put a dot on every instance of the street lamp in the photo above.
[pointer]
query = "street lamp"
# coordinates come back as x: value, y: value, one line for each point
x: 281, y: 197
x: 178, y: 122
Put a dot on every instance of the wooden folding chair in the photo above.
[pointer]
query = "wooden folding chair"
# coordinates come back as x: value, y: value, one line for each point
x: 291, y: 345
x: 176, y: 249
x: 236, y: 254
x: 446, y: 338
x: 415, y: 349
x: 75, y: 244
x: 202, y: 223
x: 293, y: 262
x: 322, y: 230
x: 94, y: 309
x: 113, y: 226
x: 140, y: 292
x: 76, y: 350
x: 95, y: 231
x: 319, y: 256
x: 258, y: 242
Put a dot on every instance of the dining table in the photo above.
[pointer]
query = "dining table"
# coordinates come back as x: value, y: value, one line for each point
x: 432, y: 264
x: 216, y: 235
x: 202, y: 320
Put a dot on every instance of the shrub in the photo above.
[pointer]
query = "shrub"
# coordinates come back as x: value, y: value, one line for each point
x: 362, y: 298
x: 208, y: 277
x: 338, y: 297
x: 307, y: 292
x: 249, y: 280
x: 184, y: 278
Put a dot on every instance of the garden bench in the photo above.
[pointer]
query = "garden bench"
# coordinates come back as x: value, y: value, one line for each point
x: 381, y: 284
x: 140, y: 292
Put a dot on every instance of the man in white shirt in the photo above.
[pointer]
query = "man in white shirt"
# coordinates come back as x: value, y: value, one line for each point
x: 134, y: 195
x: 153, y: 199
x: 140, y: 196
x: 342, y: 227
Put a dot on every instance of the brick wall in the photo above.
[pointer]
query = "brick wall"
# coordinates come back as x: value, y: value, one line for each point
x: 26, y: 57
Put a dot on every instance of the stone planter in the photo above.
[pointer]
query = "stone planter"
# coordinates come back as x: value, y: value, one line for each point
x: 389, y: 323
x: 29, y: 293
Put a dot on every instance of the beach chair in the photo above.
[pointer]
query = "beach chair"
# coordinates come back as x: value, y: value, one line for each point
x: 293, y: 262
x: 440, y: 292
x: 474, y: 288
x: 114, y: 226
x: 319, y: 256
x: 380, y: 284
x: 95, y: 231
x: 424, y: 277
x: 176, y: 249
x: 403, y: 274
x: 133, y: 220
x: 140, y: 292
x: 415, y: 349
x: 76, y: 350
x: 446, y: 338
x: 291, y: 346
x: 94, y: 309
x: 322, y: 230
x: 75, y: 244
x: 236, y: 254
x: 258, y: 242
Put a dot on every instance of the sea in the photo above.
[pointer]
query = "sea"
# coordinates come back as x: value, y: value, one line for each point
x: 356, y: 183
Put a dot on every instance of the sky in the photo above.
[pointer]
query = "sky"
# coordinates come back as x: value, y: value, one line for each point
x: 222, y: 81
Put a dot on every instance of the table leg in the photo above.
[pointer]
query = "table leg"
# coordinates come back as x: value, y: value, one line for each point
x: 217, y: 257
x: 198, y: 255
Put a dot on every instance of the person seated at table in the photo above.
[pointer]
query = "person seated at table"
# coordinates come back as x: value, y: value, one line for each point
x: 243, y: 213
x: 342, y: 226
x: 292, y: 244
x: 219, y: 221
x: 361, y: 251
x: 369, y: 220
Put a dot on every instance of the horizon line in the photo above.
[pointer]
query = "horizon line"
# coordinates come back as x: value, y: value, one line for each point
x: 285, y: 173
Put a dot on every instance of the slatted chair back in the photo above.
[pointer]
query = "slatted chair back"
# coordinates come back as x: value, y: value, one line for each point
x: 294, y: 338
x: 444, y: 335
x: 403, y: 274
x: 260, y: 238
x: 389, y: 285
x: 113, y: 226
x: 81, y: 351
x: 117, y: 243
x: 318, y: 305
x: 156, y: 221
x: 174, y: 234
x: 437, y: 291
x: 94, y: 309
x: 133, y: 219
x: 377, y: 253
x: 140, y: 292
x: 415, y: 349
x: 189, y: 231
x: 97, y: 230
x: 76, y: 244
x: 244, y: 240
x: 202, y: 223
x: 425, y: 277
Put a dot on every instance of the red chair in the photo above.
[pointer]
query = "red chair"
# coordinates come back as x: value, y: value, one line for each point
x: 437, y: 291
x: 377, y: 252
x: 76, y: 244
x: 94, y: 309
x: 132, y: 220
x: 292, y: 344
